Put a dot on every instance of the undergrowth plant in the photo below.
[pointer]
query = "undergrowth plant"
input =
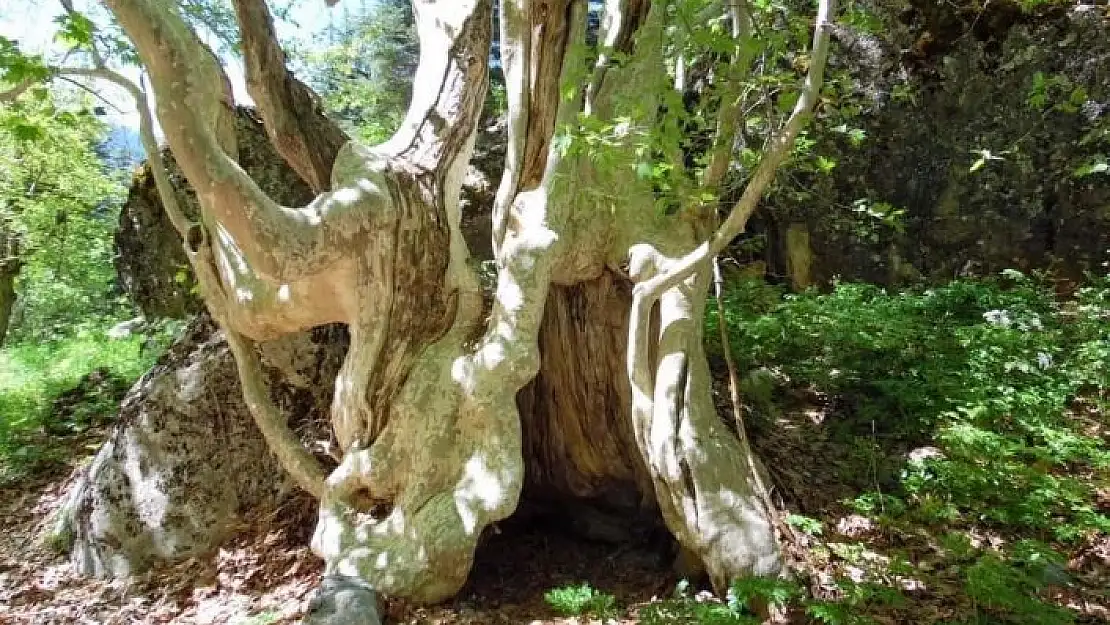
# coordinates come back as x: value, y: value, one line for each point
x: 581, y: 600
x: 33, y: 375
x: 1001, y: 382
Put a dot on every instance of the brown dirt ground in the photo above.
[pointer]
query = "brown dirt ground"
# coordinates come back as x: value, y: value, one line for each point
x: 267, y: 574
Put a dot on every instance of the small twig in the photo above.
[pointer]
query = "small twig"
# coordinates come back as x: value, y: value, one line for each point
x: 734, y: 391
x: 91, y: 91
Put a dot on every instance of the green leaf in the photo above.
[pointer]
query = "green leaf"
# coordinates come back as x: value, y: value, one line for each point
x: 1095, y: 167
x: 75, y: 29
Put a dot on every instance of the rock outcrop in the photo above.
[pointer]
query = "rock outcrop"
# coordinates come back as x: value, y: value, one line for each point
x: 935, y: 88
x: 185, y: 460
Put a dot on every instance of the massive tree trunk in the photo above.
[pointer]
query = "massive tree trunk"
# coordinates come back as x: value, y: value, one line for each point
x: 596, y: 291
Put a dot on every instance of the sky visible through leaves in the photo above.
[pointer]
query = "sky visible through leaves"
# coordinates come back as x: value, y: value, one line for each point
x: 31, y: 24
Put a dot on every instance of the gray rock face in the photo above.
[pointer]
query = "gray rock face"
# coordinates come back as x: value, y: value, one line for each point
x: 186, y: 459
x: 933, y: 85
x: 343, y: 600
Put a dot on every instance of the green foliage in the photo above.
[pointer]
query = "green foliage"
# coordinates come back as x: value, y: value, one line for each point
x: 262, y: 618
x: 805, y: 524
x: 751, y: 596
x: 75, y: 30
x: 1010, y: 588
x: 33, y: 375
x: 1003, y: 380
x: 16, y: 67
x: 700, y: 609
x: 365, y: 74
x: 1097, y: 165
x: 581, y: 600
x: 62, y: 204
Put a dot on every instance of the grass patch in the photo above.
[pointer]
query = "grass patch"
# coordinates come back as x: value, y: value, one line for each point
x: 1000, y: 384
x: 33, y: 376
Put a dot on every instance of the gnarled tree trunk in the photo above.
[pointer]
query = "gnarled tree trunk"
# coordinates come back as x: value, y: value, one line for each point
x: 596, y: 291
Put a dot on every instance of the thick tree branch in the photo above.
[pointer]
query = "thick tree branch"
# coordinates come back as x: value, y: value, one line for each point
x: 450, y: 80
x: 296, y: 125
x: 648, y: 290
x: 301, y: 465
x: 703, y: 478
x: 515, y: 59
x: 195, y: 111
x: 306, y: 471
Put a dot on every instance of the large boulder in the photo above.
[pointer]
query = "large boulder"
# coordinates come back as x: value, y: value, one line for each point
x: 185, y: 459
x: 935, y: 87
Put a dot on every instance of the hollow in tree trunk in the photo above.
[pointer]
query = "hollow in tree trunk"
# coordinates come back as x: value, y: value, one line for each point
x: 596, y: 290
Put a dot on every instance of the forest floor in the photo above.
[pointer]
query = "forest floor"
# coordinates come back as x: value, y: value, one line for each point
x: 267, y: 574
x: 921, y: 480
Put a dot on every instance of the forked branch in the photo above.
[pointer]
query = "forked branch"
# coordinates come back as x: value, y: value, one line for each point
x: 648, y: 291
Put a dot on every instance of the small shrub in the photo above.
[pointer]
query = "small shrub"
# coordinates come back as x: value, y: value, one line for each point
x: 38, y: 399
x: 581, y: 600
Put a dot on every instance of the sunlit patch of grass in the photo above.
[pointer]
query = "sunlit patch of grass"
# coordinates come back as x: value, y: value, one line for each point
x: 33, y: 375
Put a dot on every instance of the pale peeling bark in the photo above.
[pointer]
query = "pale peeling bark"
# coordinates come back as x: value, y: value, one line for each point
x: 449, y: 461
x: 383, y: 253
x: 706, y: 483
x: 425, y: 407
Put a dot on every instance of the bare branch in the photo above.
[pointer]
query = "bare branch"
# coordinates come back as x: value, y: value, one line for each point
x: 11, y: 94
x: 302, y: 134
x: 306, y: 471
x: 146, y: 132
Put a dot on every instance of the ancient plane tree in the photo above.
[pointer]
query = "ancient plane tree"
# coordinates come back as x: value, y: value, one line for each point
x: 601, y: 276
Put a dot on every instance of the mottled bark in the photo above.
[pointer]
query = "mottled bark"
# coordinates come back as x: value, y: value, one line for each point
x: 10, y: 264
x: 150, y: 261
x: 425, y: 408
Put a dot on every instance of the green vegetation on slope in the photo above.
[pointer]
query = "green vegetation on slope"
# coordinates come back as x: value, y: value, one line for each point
x: 972, y: 418
x: 34, y: 377
x: 998, y: 387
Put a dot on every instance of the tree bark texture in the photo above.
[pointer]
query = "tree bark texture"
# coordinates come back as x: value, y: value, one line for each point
x: 596, y: 292
x: 10, y: 265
